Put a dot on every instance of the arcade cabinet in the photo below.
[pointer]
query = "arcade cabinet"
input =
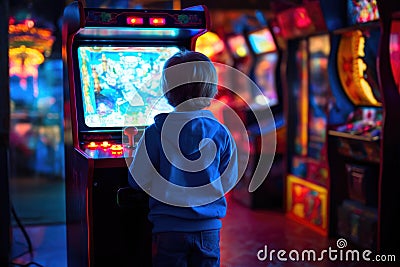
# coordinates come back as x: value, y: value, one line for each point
x: 227, y: 101
x: 113, y: 59
x: 355, y: 122
x: 265, y: 73
x: 306, y: 82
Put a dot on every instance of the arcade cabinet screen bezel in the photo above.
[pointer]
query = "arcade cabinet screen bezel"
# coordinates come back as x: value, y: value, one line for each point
x: 262, y: 41
x: 81, y: 102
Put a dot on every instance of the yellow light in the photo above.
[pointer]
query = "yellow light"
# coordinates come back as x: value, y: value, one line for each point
x: 352, y: 67
x: 25, y: 55
x: 92, y: 145
x: 157, y: 21
x: 105, y: 144
x: 241, y: 51
x: 30, y: 36
x: 209, y: 44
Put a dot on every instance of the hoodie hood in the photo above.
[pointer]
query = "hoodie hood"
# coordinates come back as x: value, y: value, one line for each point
x: 186, y: 131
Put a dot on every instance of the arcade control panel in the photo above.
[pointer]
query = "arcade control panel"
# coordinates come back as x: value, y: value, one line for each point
x: 363, y: 124
x: 359, y: 137
x: 103, y: 145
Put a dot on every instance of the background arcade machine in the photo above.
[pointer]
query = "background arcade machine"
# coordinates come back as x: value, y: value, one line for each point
x: 265, y: 73
x: 354, y: 138
x: 306, y: 83
x: 228, y: 101
x: 389, y: 185
x: 114, y: 58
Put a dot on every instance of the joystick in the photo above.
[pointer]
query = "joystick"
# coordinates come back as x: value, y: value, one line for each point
x: 130, y: 132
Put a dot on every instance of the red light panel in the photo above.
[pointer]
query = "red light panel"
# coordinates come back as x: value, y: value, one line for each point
x: 134, y: 21
x: 302, y: 19
x: 157, y: 21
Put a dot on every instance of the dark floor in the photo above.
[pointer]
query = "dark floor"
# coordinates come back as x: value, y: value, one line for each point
x: 245, y: 232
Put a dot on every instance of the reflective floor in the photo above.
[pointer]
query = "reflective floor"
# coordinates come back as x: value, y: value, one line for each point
x: 245, y: 232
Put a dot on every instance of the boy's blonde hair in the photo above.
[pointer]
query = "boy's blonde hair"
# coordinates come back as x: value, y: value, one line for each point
x: 189, y: 80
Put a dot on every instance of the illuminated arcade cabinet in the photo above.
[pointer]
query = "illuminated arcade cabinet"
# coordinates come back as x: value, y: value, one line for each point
x: 355, y: 121
x: 265, y: 73
x: 361, y: 156
x: 113, y: 59
x: 306, y: 84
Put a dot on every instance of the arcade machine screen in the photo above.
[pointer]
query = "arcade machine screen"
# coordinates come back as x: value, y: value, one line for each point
x: 121, y: 85
x: 263, y: 45
x: 262, y: 41
x: 362, y: 11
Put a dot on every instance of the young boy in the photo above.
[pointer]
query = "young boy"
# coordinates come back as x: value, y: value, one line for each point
x: 186, y: 161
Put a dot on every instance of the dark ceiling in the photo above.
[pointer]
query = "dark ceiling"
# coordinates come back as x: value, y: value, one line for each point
x: 52, y: 9
x: 49, y: 12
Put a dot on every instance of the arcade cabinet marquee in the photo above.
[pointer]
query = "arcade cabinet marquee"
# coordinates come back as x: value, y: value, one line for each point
x: 113, y: 59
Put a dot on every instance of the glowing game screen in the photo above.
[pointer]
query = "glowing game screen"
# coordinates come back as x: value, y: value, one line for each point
x: 264, y: 77
x: 238, y: 46
x: 362, y: 11
x: 262, y: 41
x: 121, y: 85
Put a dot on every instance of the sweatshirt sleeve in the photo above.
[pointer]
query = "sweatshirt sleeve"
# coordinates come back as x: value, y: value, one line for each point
x: 145, y: 162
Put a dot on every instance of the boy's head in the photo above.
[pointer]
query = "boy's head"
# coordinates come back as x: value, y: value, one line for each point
x: 189, y: 80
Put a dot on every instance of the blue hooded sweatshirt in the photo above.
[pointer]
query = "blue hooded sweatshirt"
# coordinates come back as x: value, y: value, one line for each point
x: 186, y: 162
